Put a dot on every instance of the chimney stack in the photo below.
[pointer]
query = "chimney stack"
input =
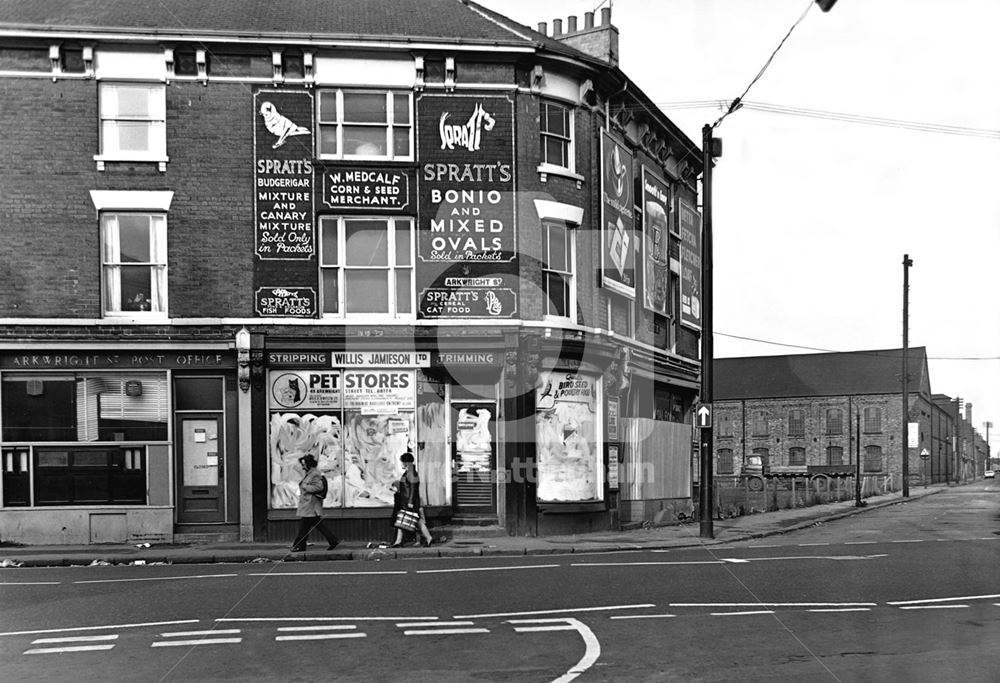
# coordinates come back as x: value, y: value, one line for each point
x: 600, y: 42
x: 543, y: 28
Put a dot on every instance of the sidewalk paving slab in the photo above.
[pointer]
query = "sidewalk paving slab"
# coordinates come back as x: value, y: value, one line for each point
x: 684, y: 535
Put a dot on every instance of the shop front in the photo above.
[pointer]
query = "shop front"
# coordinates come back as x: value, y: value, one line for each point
x: 358, y: 412
x: 103, y: 446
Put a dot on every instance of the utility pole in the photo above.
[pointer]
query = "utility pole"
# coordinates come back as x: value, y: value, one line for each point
x: 857, y: 459
x: 706, y: 490
x: 905, y: 443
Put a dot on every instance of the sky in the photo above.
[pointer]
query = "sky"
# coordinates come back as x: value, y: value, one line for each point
x: 812, y: 215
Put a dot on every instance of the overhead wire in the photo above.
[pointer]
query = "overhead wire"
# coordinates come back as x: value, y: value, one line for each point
x: 822, y: 350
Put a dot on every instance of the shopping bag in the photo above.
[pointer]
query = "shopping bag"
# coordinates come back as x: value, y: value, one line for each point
x: 406, y: 520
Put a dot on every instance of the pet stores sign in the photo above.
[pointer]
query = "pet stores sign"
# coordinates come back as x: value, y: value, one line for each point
x: 369, y: 391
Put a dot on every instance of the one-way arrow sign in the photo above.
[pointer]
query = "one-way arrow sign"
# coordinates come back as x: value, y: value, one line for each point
x: 704, y: 414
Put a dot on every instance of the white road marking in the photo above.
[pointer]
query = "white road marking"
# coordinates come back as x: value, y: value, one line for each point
x: 642, y: 616
x: 908, y: 540
x: 187, y: 634
x: 860, y: 542
x: 641, y: 564
x: 160, y: 578
x: 933, y: 606
x: 201, y: 641
x: 764, y: 546
x: 838, y: 558
x: 773, y: 604
x: 484, y: 569
x: 30, y: 583
x: 95, y: 628
x: 843, y: 609
x: 445, y: 631
x: 72, y: 648
x: 326, y: 573
x: 434, y: 624
x: 325, y: 618
x: 930, y: 600
x: 803, y: 545
x: 72, y: 639
x: 322, y: 636
x: 330, y: 627
x: 593, y: 646
x: 741, y: 614
x: 553, y: 611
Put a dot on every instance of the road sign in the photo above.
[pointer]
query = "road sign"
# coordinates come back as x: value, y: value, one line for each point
x: 704, y: 416
x: 924, y: 453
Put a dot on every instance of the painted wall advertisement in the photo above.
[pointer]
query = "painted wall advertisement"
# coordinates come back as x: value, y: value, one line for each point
x: 690, y: 227
x: 617, y: 218
x: 285, y: 273
x: 386, y: 190
x: 570, y: 459
x: 655, y: 240
x: 467, y: 239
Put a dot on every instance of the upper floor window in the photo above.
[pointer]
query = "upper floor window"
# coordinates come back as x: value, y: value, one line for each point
x: 133, y: 121
x: 834, y: 455
x: 134, y: 263
x: 724, y: 423
x: 366, y: 124
x: 796, y: 422
x: 873, y: 420
x: 834, y: 421
x: 557, y: 135
x: 873, y: 459
x: 621, y: 315
x: 558, y: 270
x: 796, y: 456
x: 366, y: 266
x: 759, y: 424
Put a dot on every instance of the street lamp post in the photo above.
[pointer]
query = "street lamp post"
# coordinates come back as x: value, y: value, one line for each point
x: 706, y: 490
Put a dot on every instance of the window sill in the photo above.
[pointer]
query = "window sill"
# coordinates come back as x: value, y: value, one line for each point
x: 160, y: 160
x: 133, y: 316
x: 545, y: 170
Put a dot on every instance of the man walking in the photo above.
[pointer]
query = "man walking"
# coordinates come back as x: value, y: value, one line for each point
x: 312, y: 491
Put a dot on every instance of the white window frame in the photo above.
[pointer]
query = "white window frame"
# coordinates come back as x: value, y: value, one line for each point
x: 338, y: 123
x: 112, y: 265
x: 391, y: 268
x: 544, y: 134
x: 568, y: 275
x: 630, y: 303
x: 109, y: 117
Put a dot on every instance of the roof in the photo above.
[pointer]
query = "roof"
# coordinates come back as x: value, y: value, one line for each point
x: 410, y: 19
x: 819, y: 374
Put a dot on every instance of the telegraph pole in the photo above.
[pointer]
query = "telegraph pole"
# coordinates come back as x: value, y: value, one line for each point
x: 907, y: 262
x: 706, y: 490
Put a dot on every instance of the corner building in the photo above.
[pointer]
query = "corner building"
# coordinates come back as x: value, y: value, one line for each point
x: 237, y: 234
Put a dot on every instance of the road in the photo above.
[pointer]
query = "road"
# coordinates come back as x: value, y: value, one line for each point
x: 909, y: 592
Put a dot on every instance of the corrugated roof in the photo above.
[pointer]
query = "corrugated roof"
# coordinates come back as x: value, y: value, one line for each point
x: 414, y: 19
x: 819, y: 374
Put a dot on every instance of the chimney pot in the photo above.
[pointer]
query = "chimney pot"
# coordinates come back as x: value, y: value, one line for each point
x: 588, y: 20
x: 556, y: 27
x: 571, y: 25
x: 605, y: 16
x: 543, y: 28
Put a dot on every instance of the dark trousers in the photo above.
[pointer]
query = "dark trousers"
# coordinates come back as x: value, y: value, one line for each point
x: 307, y: 524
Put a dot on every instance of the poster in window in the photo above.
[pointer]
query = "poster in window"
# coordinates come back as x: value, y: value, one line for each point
x: 655, y: 240
x: 466, y: 228
x: 690, y: 228
x: 617, y: 218
x: 569, y: 456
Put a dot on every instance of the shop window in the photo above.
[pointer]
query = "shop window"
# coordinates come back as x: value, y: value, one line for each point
x: 366, y: 266
x: 569, y: 463
x: 725, y: 461
x: 90, y: 476
x: 366, y: 124
x: 84, y: 407
x: 556, y: 125
x: 834, y: 421
x: 558, y: 270
x: 133, y: 121
x: 873, y: 459
x: 796, y: 423
x: 134, y: 263
x: 873, y: 420
x: 797, y: 456
x: 834, y: 455
x: 759, y: 423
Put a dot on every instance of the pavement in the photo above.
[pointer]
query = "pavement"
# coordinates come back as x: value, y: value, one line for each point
x: 646, y: 538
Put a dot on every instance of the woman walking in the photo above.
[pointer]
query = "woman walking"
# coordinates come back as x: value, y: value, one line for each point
x: 408, y: 498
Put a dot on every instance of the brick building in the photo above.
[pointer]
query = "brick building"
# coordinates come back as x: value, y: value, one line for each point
x: 798, y: 414
x: 240, y: 231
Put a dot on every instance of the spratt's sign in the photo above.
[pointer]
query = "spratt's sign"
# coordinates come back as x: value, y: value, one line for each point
x: 468, y: 134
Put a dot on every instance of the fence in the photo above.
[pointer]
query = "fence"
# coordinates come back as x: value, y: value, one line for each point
x: 736, y: 496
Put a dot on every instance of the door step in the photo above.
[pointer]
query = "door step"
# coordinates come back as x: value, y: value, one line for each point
x: 463, y: 531
x: 203, y: 537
